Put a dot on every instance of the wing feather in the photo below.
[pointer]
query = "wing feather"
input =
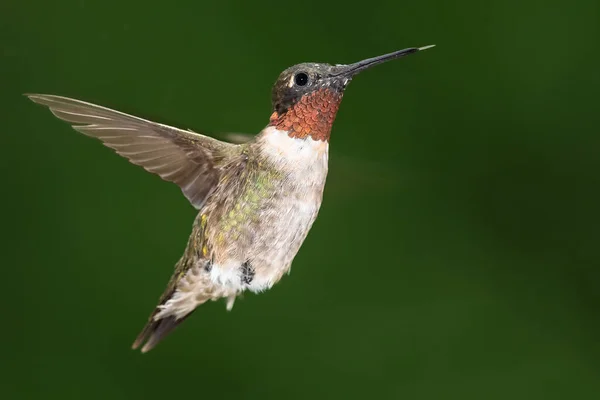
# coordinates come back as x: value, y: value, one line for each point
x: 185, y: 158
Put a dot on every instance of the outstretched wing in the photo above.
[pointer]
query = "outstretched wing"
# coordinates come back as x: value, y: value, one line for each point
x: 182, y: 157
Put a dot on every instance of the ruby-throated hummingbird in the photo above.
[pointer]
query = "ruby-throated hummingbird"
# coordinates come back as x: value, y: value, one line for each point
x: 256, y: 200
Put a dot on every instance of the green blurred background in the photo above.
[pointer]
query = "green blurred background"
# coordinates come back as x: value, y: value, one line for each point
x: 457, y: 251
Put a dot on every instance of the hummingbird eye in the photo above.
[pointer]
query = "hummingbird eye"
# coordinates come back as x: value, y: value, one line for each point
x: 301, y: 79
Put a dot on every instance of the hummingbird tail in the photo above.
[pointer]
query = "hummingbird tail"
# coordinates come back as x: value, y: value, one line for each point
x: 155, y: 331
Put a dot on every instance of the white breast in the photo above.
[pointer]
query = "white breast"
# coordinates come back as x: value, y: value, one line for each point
x: 295, y: 153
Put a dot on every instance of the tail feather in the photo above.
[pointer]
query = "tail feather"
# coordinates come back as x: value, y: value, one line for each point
x: 178, y: 301
x: 155, y: 331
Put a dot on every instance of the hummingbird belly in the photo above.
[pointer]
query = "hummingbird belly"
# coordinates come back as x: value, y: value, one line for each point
x: 254, y: 263
x: 260, y: 257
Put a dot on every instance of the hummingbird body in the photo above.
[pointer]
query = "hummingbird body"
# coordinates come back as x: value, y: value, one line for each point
x: 256, y: 201
x: 251, y: 227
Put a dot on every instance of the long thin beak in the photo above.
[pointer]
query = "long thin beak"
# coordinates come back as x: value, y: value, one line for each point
x: 352, y: 69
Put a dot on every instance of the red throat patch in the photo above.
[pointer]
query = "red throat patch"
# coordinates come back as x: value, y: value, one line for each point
x: 312, y: 115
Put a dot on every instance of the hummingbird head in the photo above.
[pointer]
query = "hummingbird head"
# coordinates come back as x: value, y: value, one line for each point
x: 306, y: 97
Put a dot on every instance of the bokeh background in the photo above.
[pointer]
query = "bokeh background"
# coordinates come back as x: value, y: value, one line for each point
x: 457, y: 252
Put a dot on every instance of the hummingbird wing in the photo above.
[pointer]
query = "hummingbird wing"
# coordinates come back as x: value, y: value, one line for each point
x: 183, y: 157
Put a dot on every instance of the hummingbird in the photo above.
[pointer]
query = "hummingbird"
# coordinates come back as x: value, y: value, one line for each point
x: 257, y: 199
